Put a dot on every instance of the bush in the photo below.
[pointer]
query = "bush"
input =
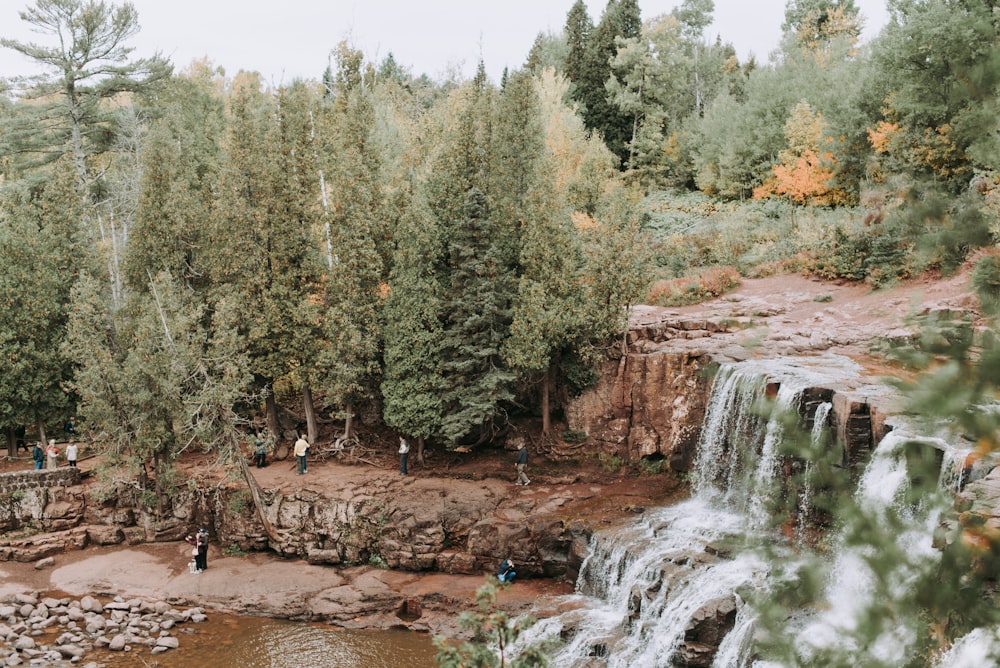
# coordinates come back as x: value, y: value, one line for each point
x: 986, y: 281
x: 877, y: 256
x: 682, y: 291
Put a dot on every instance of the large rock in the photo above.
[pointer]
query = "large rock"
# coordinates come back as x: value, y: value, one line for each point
x: 646, y: 405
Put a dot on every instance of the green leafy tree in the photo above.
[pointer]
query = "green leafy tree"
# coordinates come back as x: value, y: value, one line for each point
x: 616, y: 266
x: 937, y: 69
x: 494, y: 635
x: 815, y: 22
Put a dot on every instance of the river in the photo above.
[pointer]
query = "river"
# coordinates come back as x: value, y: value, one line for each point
x: 259, y: 642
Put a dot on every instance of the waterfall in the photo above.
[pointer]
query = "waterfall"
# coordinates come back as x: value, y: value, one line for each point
x: 643, y: 588
x: 816, y: 438
x: 855, y: 590
x: 979, y: 648
x: 646, y: 589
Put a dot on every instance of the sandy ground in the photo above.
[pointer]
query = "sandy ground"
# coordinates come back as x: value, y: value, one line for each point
x: 257, y: 584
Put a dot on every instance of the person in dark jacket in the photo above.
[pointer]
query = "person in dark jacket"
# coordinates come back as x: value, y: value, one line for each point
x: 522, y: 463
x: 506, y: 571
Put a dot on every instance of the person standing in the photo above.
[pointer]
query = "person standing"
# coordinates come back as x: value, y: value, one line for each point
x: 39, y: 456
x: 522, y: 463
x: 71, y: 452
x: 260, y: 457
x: 51, y: 454
x: 200, y: 551
x: 301, y: 450
x: 404, y: 455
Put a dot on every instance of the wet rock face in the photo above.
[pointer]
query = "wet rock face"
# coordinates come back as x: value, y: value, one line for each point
x: 646, y: 405
x: 61, y: 631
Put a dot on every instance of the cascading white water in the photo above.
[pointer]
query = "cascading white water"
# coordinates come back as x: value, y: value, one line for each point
x: 816, y: 436
x: 641, y: 585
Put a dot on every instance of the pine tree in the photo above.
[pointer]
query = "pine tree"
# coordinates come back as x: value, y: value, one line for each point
x: 88, y: 66
x: 42, y: 257
x: 577, y: 30
x: 621, y: 19
x: 413, y: 383
x: 477, y: 320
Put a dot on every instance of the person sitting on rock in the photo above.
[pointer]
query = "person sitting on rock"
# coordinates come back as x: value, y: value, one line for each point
x: 506, y: 571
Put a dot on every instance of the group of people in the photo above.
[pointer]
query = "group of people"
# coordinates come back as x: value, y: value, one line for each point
x: 199, y: 550
x: 48, y: 456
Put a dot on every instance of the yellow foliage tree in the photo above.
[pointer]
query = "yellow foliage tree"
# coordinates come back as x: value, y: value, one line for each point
x: 805, y: 174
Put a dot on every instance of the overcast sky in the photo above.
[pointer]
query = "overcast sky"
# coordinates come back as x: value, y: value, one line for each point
x: 288, y: 39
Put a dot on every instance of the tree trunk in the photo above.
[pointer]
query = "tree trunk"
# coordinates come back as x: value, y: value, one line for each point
x: 420, y: 449
x: 546, y: 393
x: 41, y: 430
x: 307, y: 406
x: 348, y: 419
x: 271, y: 415
x: 258, y: 502
x: 11, y: 442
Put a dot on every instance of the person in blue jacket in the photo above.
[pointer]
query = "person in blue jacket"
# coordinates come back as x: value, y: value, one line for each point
x: 506, y: 571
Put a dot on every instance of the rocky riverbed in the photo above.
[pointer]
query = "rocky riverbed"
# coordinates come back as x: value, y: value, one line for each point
x: 62, y: 631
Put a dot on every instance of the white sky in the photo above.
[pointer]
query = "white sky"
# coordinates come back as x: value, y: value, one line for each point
x: 292, y: 38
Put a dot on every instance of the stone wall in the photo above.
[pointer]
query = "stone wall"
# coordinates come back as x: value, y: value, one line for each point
x: 65, y: 476
x: 25, y: 495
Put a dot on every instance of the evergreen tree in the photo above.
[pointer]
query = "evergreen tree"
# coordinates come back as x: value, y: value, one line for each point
x: 477, y: 320
x: 413, y: 383
x: 87, y: 66
x: 621, y: 20
x: 348, y: 364
x: 577, y: 30
x: 153, y: 379
x: 42, y: 257
x: 263, y: 249
x: 180, y: 163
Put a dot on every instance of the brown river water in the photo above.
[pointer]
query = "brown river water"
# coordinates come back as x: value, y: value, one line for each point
x: 258, y: 642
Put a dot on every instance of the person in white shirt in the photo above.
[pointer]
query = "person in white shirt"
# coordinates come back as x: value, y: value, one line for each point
x: 71, y: 453
x: 404, y: 454
x: 301, y: 450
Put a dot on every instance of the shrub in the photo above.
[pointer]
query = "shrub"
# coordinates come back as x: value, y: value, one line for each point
x: 693, y: 290
x: 986, y: 281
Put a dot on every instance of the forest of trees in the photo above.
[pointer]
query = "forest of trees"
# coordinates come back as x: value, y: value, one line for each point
x: 183, y: 250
